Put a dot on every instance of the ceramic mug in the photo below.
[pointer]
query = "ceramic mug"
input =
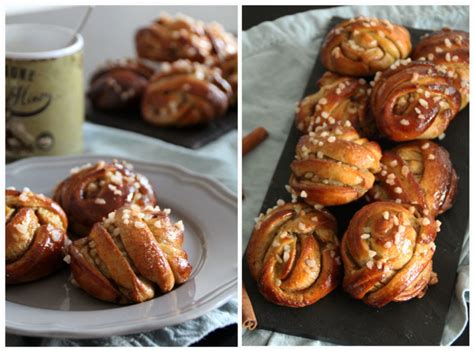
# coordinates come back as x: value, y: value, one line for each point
x: 44, y: 91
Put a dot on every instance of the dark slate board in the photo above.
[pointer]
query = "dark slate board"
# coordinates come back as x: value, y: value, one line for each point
x: 341, y: 320
x: 192, y: 137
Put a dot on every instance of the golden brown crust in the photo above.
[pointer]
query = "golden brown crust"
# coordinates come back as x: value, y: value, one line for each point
x: 419, y: 173
x: 413, y: 100
x: 119, y: 84
x: 362, y: 46
x: 229, y: 66
x: 387, y: 252
x: 333, y: 166
x: 130, y: 251
x: 93, y: 191
x: 293, y: 255
x: 89, y: 277
x: 224, y: 55
x: 34, y: 234
x: 449, y: 50
x: 224, y: 44
x: 170, y: 39
x: 185, y: 93
x: 339, y: 99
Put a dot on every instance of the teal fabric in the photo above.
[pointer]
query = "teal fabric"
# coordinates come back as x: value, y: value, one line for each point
x: 183, y: 334
x: 277, y: 59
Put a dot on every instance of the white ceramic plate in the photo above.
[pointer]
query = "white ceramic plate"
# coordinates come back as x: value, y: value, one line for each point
x: 54, y: 307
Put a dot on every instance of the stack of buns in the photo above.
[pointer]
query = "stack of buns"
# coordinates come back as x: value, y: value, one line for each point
x: 373, y: 91
x: 127, y: 249
x: 185, y: 74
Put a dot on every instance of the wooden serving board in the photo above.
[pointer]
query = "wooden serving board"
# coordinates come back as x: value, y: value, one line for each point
x: 338, y: 318
x: 192, y: 137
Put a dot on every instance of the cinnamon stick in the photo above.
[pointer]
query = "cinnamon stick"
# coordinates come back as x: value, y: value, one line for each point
x: 253, y: 139
x: 249, y: 321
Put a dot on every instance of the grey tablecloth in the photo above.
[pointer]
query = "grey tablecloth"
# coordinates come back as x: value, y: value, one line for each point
x: 278, y: 57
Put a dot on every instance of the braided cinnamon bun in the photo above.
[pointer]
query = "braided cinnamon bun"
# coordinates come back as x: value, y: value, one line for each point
x: 449, y: 50
x: 93, y: 191
x: 413, y: 100
x: 387, y: 252
x: 339, y: 99
x: 293, y: 254
x: 170, y: 39
x: 229, y: 66
x: 185, y: 93
x: 35, y: 233
x: 224, y: 55
x: 119, y: 84
x: 224, y: 44
x: 333, y: 166
x: 419, y: 173
x: 362, y: 46
x: 130, y: 252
